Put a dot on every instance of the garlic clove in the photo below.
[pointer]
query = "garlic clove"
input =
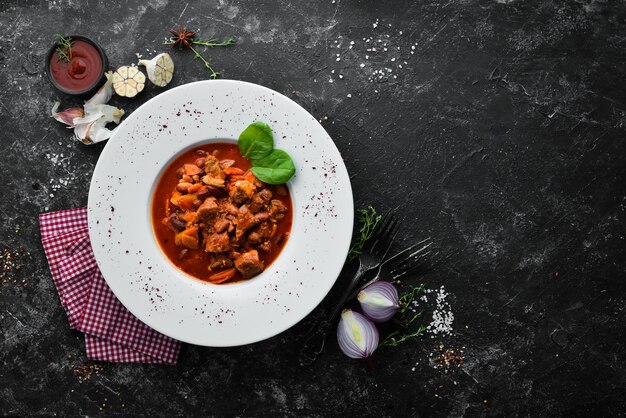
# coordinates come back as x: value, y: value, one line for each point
x: 90, y: 122
x: 357, y: 336
x: 160, y: 69
x: 379, y: 301
x: 91, y: 128
x: 66, y: 116
x: 104, y: 94
x: 128, y: 81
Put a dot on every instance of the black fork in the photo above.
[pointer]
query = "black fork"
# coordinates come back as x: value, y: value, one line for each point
x: 371, y: 258
x: 407, y: 261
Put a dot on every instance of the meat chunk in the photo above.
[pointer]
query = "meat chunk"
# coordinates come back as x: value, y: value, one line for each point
x: 249, y: 264
x: 208, y: 210
x: 227, y: 207
x: 241, y: 191
x: 226, y: 163
x: 246, y: 220
x: 221, y: 225
x: 191, y: 169
x: 219, y: 261
x: 260, y: 200
x: 266, y: 195
x: 214, y: 174
x: 217, y: 243
x: 277, y: 209
x: 263, y: 232
x: 213, y: 181
x: 266, y: 246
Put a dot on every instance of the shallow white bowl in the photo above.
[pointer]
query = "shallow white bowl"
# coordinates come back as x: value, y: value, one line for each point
x: 140, y: 274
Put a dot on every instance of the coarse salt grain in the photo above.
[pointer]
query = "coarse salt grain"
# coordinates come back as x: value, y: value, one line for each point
x: 382, y: 56
x: 443, y: 318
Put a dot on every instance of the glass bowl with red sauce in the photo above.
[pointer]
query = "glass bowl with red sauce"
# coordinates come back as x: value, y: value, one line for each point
x: 84, y: 73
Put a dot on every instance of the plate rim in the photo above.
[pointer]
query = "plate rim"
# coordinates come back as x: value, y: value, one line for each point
x: 153, y: 323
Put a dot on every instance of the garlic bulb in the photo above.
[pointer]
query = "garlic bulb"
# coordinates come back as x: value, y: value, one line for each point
x: 160, y: 69
x: 128, y: 81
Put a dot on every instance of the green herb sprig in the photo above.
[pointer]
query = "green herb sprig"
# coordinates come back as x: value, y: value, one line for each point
x: 272, y: 166
x: 402, y: 335
x: 409, y: 296
x: 213, y: 42
x: 369, y: 219
x: 208, y: 43
x: 182, y: 38
x: 64, y: 48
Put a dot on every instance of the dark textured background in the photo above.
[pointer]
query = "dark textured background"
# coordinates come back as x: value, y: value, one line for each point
x: 502, y: 137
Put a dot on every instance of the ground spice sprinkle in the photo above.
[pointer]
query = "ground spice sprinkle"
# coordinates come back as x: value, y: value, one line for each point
x: 11, y: 262
x: 86, y: 370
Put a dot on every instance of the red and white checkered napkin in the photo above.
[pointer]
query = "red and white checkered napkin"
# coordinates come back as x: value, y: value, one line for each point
x: 112, y: 333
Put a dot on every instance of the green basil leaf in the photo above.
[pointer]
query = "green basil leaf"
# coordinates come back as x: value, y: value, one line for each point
x: 276, y: 168
x: 256, y: 141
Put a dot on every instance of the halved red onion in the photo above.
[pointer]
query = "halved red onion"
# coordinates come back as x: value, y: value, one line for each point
x: 357, y: 336
x: 379, y: 301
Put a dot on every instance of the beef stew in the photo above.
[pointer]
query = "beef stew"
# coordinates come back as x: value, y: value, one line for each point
x: 215, y: 220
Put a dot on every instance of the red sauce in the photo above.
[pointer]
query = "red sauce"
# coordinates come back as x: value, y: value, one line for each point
x: 82, y: 72
x: 196, y: 262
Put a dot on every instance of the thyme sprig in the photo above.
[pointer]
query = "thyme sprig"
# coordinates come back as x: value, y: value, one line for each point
x: 64, y: 48
x: 369, y: 219
x: 409, y: 296
x: 395, y: 339
x: 183, y: 38
x: 213, y: 42
x: 196, y: 54
x: 401, y: 335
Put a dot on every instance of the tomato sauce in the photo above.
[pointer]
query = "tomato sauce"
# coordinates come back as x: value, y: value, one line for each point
x: 83, y: 71
x: 196, y: 262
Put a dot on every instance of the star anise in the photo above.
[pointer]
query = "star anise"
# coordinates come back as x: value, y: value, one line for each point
x: 182, y: 37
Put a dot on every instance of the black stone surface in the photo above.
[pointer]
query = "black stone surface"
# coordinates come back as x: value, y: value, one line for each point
x: 502, y: 137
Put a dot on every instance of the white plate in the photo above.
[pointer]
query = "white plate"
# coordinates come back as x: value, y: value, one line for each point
x: 141, y: 276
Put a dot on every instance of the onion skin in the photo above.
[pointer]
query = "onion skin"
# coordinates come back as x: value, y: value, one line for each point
x: 357, y: 336
x: 379, y: 301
